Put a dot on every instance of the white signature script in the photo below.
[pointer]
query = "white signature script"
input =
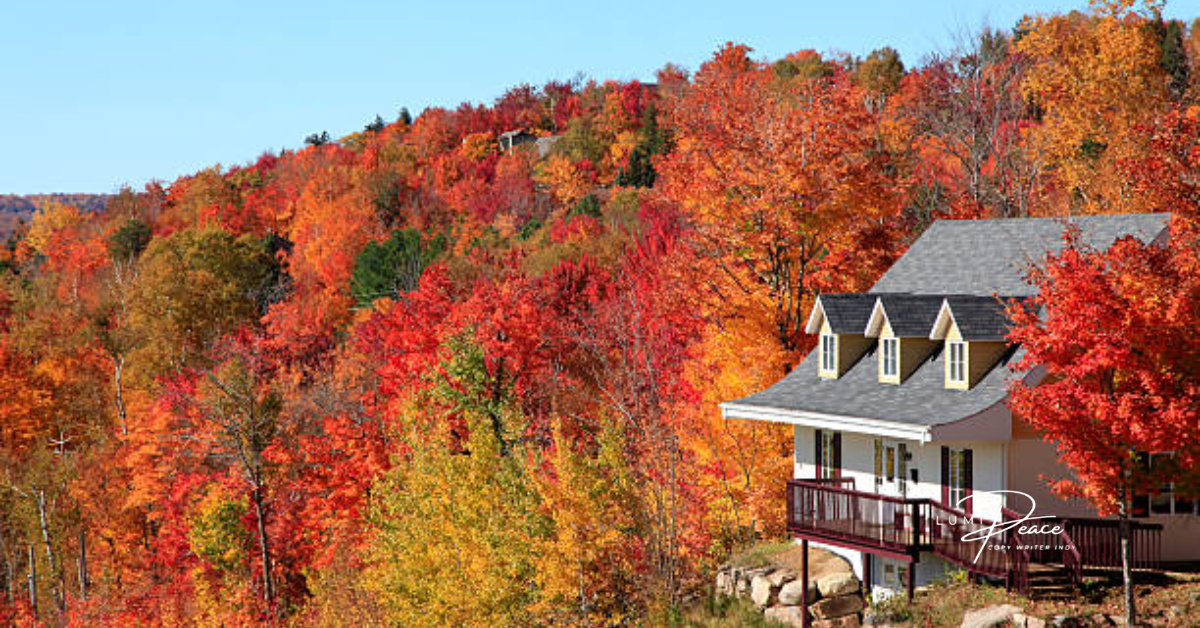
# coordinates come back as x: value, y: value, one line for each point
x: 1023, y: 527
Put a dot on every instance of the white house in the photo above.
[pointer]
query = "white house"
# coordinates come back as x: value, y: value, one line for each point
x: 900, y: 416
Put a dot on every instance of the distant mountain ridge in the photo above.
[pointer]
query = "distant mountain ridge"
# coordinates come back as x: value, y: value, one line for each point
x: 16, y: 208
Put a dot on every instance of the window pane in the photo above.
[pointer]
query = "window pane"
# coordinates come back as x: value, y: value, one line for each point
x: 957, y: 359
x: 1160, y: 504
x: 889, y: 348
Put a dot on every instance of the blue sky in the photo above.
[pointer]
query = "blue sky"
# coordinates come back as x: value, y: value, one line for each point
x: 97, y: 94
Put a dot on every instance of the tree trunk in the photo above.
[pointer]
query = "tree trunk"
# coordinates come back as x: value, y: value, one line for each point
x: 118, y: 397
x: 51, y: 559
x: 83, y: 568
x: 33, y: 605
x: 264, y: 546
x: 10, y: 590
x: 1126, y: 562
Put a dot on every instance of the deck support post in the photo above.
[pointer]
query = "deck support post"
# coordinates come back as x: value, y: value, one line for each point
x: 804, y: 622
x: 912, y: 568
x: 868, y: 565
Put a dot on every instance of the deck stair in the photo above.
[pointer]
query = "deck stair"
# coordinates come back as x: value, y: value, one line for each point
x: 1050, y: 582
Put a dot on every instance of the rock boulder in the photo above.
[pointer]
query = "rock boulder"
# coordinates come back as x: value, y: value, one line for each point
x: 762, y: 592
x: 790, y: 593
x: 786, y: 615
x: 840, y: 606
x: 845, y: 621
x: 837, y: 584
x: 990, y: 616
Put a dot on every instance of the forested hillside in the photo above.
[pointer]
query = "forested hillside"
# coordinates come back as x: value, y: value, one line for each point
x: 15, y: 210
x: 414, y: 376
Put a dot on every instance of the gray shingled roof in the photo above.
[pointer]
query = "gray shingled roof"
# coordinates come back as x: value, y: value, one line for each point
x: 986, y: 257
x: 847, y: 313
x: 960, y: 258
x: 921, y: 400
x: 911, y: 315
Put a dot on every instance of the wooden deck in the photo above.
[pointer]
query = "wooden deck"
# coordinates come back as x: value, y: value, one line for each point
x: 832, y: 511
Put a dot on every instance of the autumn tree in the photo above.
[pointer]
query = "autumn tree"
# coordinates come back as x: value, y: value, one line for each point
x: 457, y: 523
x: 1094, y: 79
x: 587, y: 570
x: 1116, y: 332
x: 771, y: 162
x: 965, y: 115
x: 242, y: 410
x: 195, y: 286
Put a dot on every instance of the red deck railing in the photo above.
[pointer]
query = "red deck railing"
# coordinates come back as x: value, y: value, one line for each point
x: 825, y: 510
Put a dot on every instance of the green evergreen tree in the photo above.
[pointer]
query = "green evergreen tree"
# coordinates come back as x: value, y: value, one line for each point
x: 653, y: 140
x: 394, y: 266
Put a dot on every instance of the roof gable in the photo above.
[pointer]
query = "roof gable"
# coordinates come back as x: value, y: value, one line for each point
x: 845, y: 313
x: 977, y: 318
x: 910, y: 315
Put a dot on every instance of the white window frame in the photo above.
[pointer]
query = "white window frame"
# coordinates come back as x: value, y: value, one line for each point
x: 958, y: 477
x: 956, y: 358
x: 829, y: 353
x: 889, y: 356
x: 1165, y: 503
x: 825, y: 464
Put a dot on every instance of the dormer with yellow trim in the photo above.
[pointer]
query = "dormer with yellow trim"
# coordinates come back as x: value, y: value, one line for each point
x: 901, y: 322
x: 972, y: 330
x: 838, y: 321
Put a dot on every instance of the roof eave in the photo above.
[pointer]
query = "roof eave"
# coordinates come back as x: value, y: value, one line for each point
x: 861, y: 425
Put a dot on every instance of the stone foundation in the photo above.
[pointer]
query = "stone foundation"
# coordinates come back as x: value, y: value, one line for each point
x: 834, y: 600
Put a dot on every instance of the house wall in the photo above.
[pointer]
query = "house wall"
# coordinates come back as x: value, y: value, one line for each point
x: 1032, y: 463
x: 989, y: 466
x: 1180, y: 537
x: 982, y: 357
x: 851, y: 349
x: 1022, y: 464
x: 858, y: 461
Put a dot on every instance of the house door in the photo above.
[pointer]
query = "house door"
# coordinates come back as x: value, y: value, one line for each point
x: 891, y: 479
x: 891, y: 467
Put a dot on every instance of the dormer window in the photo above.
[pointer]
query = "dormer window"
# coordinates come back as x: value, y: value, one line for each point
x: 837, y: 321
x: 956, y: 362
x: 889, y: 360
x: 829, y: 354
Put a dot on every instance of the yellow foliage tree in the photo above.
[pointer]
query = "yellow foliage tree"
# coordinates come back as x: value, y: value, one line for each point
x: 49, y: 220
x: 585, y: 568
x: 1096, y: 78
x: 566, y: 181
x: 456, y: 535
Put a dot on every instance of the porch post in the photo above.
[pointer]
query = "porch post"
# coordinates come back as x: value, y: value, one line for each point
x: 804, y: 623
